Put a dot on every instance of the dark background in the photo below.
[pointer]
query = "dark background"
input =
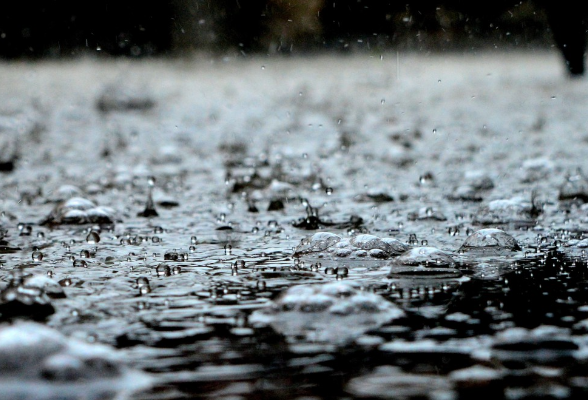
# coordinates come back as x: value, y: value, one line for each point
x: 57, y: 28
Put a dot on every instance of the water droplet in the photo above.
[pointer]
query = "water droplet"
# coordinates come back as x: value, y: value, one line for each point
x: 93, y: 237
x: 25, y: 230
x: 329, y: 191
x: 80, y: 264
x: 176, y: 270
x: 412, y: 240
x: 194, y: 240
x: 163, y: 270
x: 37, y: 256
x: 65, y: 282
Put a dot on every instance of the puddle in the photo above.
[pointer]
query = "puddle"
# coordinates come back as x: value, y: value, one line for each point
x: 238, y: 232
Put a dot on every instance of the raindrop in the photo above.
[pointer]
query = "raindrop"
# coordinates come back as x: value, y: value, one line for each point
x: 329, y: 191
x: 149, y: 210
x: 26, y: 230
x: 412, y: 240
x: 37, y: 256
x: 194, y: 240
x: 93, y: 238
x: 142, y: 281
x: 163, y: 270
x: 65, y: 282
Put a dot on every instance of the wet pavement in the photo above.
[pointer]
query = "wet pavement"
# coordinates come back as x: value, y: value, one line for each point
x: 399, y: 226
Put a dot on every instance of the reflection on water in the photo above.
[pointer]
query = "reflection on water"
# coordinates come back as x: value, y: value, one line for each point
x: 239, y: 232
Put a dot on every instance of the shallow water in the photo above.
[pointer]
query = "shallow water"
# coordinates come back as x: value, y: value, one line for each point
x: 198, y: 185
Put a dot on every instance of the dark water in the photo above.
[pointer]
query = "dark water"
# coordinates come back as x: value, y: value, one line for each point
x: 168, y: 210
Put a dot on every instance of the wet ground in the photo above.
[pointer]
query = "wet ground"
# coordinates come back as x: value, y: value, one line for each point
x: 397, y: 226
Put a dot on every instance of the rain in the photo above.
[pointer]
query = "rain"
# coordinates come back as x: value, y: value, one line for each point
x: 297, y: 200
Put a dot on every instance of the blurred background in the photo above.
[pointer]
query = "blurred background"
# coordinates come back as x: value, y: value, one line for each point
x: 65, y: 28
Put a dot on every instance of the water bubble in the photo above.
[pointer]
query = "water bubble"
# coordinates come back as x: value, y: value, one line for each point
x: 317, y: 312
x: 65, y: 282
x: 37, y: 256
x: 424, y: 256
x: 163, y: 270
x: 176, y: 270
x: 93, y: 237
x: 78, y: 210
x: 171, y: 256
x: 494, y: 240
x: 329, y: 191
x: 194, y: 240
x: 156, y: 239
